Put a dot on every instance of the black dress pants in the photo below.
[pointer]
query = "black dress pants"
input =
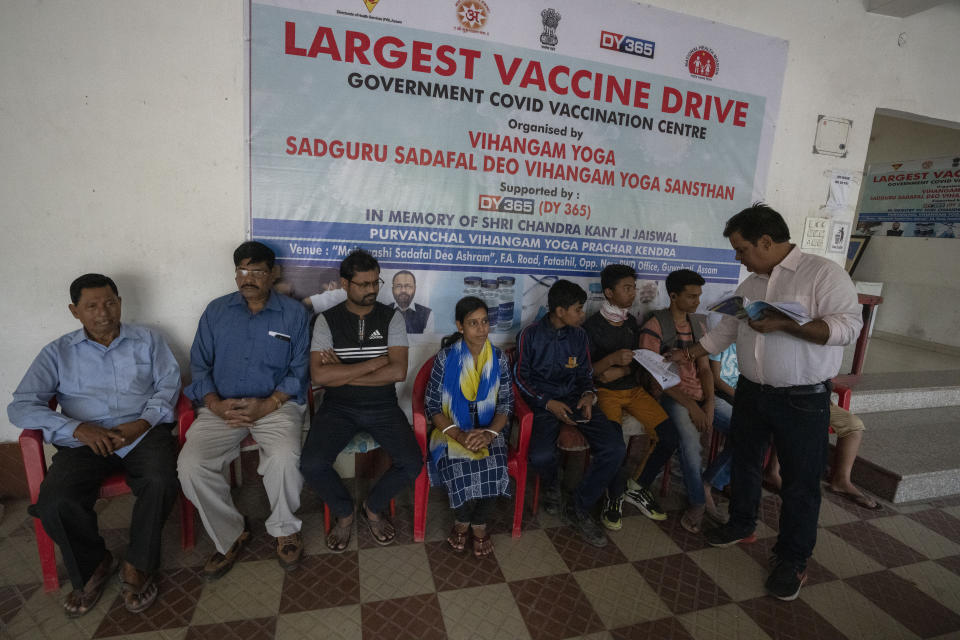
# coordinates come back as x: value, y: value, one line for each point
x: 71, y: 487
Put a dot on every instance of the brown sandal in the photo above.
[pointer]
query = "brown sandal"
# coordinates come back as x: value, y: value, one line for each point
x: 482, y: 546
x: 458, y: 536
x: 80, y: 601
x: 137, y: 599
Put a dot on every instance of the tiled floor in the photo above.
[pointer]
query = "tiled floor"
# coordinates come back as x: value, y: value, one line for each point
x: 888, y: 574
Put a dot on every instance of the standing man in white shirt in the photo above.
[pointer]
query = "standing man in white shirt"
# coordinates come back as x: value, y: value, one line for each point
x: 784, y: 386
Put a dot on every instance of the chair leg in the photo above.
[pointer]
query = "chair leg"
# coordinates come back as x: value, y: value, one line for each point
x: 187, y: 521
x: 48, y: 558
x: 326, y: 518
x: 421, y: 495
x: 518, y: 503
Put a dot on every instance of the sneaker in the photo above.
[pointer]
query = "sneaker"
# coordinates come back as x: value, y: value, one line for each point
x: 219, y: 564
x: 289, y: 550
x: 551, y: 500
x: 785, y: 581
x: 612, y: 513
x: 726, y: 537
x: 591, y: 532
x: 642, y: 499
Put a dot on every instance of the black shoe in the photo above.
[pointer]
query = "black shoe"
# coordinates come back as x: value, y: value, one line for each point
x: 551, y: 500
x: 724, y: 536
x: 642, y: 499
x: 588, y: 528
x: 612, y: 513
x: 785, y: 580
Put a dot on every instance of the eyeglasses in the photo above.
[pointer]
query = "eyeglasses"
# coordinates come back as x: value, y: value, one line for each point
x: 258, y: 274
x: 373, y: 284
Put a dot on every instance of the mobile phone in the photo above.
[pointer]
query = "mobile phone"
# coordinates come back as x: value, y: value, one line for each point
x: 577, y: 416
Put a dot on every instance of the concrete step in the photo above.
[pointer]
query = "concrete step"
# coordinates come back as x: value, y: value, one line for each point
x: 875, y: 392
x: 911, y: 454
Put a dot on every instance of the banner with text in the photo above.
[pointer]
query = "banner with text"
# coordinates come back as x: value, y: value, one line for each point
x: 492, y: 147
x: 918, y: 198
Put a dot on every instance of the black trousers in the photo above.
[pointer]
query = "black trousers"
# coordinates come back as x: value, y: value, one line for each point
x: 71, y: 487
x: 476, y: 511
x: 332, y: 429
x: 799, y: 424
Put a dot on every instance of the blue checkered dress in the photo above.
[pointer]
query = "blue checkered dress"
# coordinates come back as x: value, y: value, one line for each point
x: 472, y: 479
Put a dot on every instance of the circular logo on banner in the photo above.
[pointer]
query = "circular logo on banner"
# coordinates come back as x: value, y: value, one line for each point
x: 472, y: 14
x: 702, y: 62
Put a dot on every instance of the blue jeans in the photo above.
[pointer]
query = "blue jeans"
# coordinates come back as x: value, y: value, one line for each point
x: 799, y: 421
x: 606, y: 455
x: 691, y: 452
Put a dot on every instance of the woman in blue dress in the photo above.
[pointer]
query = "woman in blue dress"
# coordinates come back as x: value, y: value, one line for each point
x: 469, y: 399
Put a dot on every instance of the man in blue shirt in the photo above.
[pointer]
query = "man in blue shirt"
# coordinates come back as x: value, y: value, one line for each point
x: 116, y: 385
x: 249, y: 368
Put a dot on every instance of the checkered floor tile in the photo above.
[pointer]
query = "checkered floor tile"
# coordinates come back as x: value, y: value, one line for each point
x: 874, y: 574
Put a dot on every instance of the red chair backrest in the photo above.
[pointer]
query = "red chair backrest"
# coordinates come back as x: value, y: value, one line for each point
x: 420, y: 385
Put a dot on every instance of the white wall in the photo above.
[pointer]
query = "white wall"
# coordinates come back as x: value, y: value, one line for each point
x: 123, y: 153
x: 914, y: 298
x: 123, y: 128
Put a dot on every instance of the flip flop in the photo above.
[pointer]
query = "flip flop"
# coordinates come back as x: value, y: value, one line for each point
x: 136, y: 600
x: 339, y: 537
x: 690, y: 525
x: 861, y: 501
x: 378, y: 528
x: 85, y: 599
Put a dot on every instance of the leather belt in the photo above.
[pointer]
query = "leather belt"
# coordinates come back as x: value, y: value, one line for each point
x: 799, y: 390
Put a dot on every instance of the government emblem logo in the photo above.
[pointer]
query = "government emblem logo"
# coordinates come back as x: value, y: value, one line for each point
x: 550, y: 19
x: 371, y: 4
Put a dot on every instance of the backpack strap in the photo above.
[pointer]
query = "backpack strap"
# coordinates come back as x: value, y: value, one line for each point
x: 668, y: 329
x: 697, y: 322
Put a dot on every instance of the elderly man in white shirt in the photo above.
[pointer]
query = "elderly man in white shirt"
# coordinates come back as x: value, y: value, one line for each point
x: 784, y: 385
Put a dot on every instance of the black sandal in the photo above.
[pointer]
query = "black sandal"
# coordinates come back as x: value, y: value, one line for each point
x: 382, y: 530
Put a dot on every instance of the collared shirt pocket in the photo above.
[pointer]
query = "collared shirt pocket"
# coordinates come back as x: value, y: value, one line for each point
x: 136, y: 378
x: 276, y: 354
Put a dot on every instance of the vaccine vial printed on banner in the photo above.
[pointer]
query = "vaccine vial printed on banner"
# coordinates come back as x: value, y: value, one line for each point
x: 505, y: 285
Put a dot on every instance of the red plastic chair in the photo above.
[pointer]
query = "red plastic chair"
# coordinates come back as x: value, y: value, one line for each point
x: 516, y: 456
x: 35, y: 466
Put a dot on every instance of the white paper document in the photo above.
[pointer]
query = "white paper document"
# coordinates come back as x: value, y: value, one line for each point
x: 664, y: 373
